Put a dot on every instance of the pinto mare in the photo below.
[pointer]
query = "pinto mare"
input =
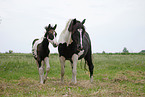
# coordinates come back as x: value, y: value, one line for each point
x: 40, y: 51
x: 75, y: 44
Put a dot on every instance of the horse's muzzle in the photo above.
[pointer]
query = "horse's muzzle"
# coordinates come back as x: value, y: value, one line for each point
x: 79, y: 48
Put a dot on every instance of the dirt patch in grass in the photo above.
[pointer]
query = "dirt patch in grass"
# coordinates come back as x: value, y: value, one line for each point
x: 118, y: 86
x: 130, y: 76
x: 53, y: 87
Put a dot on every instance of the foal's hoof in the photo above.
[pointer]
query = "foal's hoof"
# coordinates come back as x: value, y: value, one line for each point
x: 74, y: 82
x: 44, y: 81
x: 62, y: 82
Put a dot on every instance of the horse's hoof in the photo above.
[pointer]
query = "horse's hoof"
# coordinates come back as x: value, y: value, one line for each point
x: 91, y: 79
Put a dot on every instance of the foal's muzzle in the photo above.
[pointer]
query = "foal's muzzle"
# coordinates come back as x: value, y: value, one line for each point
x: 55, y: 44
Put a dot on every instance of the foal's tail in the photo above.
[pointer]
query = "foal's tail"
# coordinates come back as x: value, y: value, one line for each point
x: 34, y: 42
x: 33, y: 49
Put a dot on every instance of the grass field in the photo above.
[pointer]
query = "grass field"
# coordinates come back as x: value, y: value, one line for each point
x: 114, y: 75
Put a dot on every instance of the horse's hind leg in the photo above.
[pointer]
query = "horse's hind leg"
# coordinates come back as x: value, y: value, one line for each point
x: 88, y: 58
x: 46, y: 60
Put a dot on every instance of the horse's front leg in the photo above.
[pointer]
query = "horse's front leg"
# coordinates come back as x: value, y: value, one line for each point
x: 74, y: 68
x: 62, y: 62
x: 46, y: 60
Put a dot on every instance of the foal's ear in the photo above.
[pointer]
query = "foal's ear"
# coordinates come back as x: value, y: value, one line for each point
x: 55, y: 26
x: 49, y: 26
x: 83, y: 21
x: 46, y: 28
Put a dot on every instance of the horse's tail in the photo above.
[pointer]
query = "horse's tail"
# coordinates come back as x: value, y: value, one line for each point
x: 85, y: 69
x: 85, y: 66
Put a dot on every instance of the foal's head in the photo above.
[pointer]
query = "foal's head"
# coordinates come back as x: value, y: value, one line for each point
x: 77, y: 29
x: 51, y: 34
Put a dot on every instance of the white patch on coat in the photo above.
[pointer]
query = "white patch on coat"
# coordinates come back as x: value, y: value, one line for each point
x: 41, y: 74
x: 46, y: 60
x: 34, y: 48
x: 65, y: 36
x: 62, y: 62
x: 80, y: 53
x: 74, y: 71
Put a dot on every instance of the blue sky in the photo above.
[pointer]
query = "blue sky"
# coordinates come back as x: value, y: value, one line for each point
x: 111, y: 24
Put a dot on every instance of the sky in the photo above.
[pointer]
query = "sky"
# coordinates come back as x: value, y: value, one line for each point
x: 111, y: 24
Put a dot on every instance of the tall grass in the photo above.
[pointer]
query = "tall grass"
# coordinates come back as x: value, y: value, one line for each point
x: 114, y: 75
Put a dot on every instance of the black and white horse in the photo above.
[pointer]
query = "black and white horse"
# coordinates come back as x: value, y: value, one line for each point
x: 74, y: 43
x: 40, y: 51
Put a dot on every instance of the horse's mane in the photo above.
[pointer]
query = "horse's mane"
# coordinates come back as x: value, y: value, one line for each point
x: 65, y: 36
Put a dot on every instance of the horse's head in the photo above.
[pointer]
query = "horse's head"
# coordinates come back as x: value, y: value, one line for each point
x: 51, y: 34
x: 77, y: 29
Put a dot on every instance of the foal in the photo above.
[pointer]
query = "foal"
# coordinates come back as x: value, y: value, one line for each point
x: 41, y: 51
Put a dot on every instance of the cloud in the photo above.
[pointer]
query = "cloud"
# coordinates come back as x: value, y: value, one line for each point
x: 112, y: 24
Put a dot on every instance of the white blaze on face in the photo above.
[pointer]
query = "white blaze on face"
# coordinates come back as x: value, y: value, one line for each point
x: 54, y: 41
x: 81, y: 40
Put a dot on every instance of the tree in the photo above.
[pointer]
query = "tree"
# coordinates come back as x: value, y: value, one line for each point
x: 10, y: 51
x: 142, y: 51
x: 103, y: 52
x: 125, y: 50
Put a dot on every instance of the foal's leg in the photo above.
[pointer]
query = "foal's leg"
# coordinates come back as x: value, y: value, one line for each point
x: 41, y: 72
x: 74, y: 70
x: 46, y: 60
x: 62, y: 62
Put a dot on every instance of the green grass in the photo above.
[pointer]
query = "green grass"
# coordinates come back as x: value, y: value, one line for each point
x: 114, y: 75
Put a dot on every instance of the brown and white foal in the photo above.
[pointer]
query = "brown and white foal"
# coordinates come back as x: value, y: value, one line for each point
x: 40, y: 51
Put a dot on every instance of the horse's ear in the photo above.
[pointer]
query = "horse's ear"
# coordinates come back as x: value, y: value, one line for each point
x: 83, y: 21
x: 74, y: 21
x: 49, y: 26
x: 55, y: 26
